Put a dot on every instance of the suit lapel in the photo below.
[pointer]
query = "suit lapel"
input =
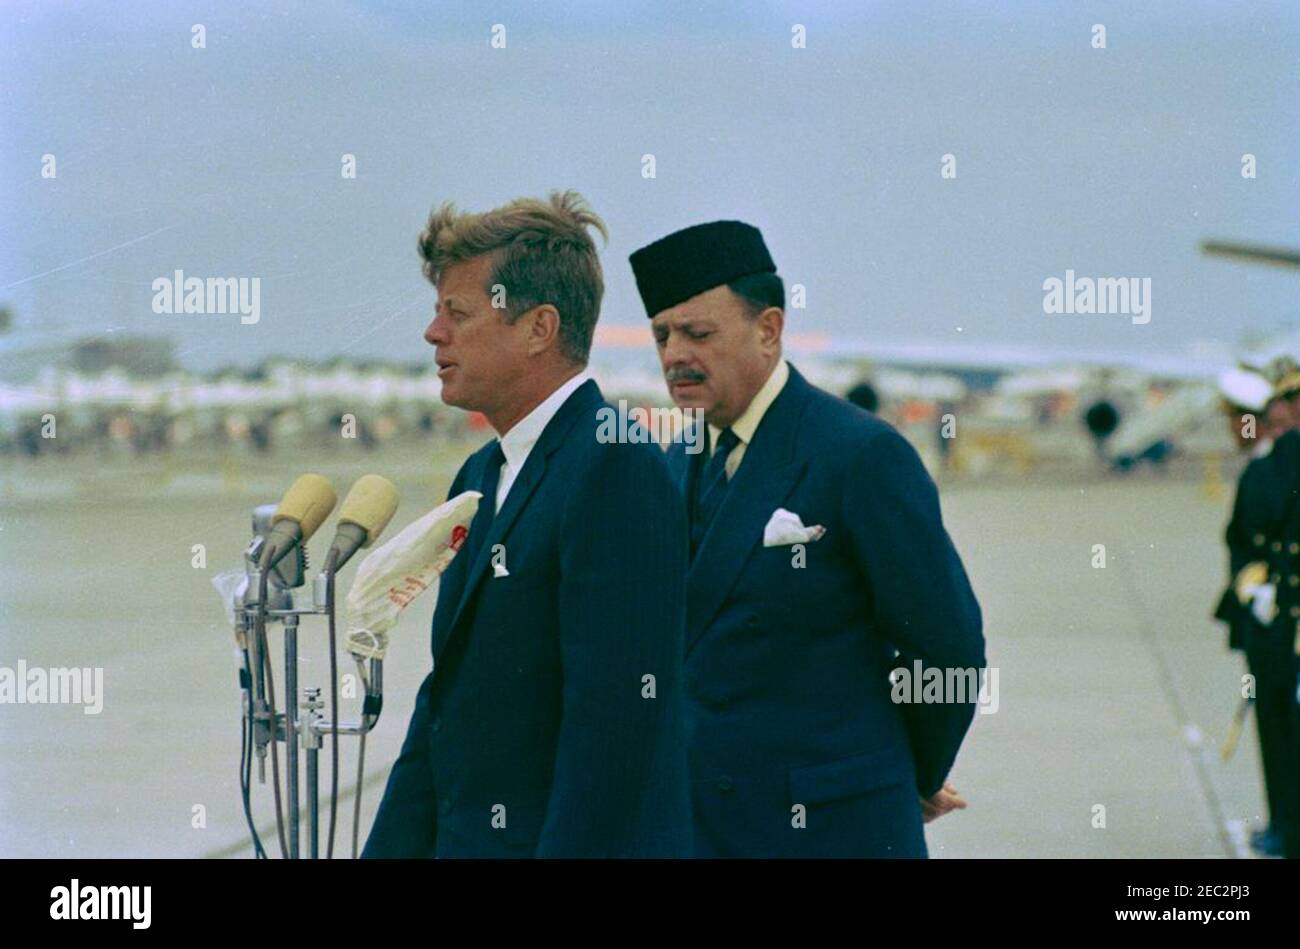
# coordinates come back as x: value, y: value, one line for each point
x: 688, y: 471
x: 767, y: 474
x: 586, y: 397
x: 685, y: 468
x: 452, y: 583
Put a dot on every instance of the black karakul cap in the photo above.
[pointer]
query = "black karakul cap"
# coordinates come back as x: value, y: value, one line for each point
x: 677, y: 267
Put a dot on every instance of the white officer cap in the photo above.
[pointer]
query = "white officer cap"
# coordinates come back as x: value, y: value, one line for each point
x: 1246, y: 389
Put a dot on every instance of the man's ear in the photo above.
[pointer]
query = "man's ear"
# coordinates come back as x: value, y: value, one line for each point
x: 771, y: 322
x: 543, y: 328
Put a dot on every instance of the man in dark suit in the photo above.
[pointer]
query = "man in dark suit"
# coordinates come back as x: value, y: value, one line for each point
x: 817, y: 552
x: 552, y: 722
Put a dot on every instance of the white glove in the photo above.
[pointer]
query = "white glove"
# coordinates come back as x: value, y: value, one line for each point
x: 1263, y: 602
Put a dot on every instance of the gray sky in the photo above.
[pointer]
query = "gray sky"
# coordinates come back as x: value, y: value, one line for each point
x: 225, y: 161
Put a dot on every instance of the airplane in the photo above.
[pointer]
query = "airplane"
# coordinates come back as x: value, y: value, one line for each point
x: 1255, y: 253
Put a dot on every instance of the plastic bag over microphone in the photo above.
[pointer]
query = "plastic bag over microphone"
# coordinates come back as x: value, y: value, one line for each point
x: 397, y: 572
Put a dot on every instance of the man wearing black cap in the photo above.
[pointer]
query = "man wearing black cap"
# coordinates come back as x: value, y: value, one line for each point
x: 819, y: 564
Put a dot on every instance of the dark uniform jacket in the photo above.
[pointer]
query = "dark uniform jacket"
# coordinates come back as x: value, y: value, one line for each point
x: 1246, y: 542
x: 1265, y: 527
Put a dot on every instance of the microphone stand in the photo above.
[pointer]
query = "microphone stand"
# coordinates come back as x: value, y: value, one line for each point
x: 252, y: 615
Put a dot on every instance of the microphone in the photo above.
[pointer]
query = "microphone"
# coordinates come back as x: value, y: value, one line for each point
x: 366, y: 511
x: 285, y: 576
x: 302, y: 510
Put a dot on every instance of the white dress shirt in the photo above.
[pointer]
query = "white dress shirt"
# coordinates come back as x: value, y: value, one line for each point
x: 517, y: 444
x: 745, y: 426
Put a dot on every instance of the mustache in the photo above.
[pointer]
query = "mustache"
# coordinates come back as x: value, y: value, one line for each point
x: 683, y: 374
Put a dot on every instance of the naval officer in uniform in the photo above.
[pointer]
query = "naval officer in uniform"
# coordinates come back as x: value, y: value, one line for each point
x: 1264, y: 543
x: 1253, y: 414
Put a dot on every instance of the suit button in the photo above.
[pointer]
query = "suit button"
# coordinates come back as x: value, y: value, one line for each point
x: 1276, y: 546
x: 444, y: 806
x: 1295, y: 612
x: 724, y: 784
x: 437, y: 723
x: 1259, y: 540
x: 1293, y: 548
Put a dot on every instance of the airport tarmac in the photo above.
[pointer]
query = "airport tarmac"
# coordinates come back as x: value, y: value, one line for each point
x: 1115, y: 688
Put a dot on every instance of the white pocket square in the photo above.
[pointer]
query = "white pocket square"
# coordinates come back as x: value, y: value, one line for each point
x: 785, y: 528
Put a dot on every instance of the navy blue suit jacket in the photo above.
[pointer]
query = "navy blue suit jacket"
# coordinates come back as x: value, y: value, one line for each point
x: 537, y: 708
x: 788, y: 697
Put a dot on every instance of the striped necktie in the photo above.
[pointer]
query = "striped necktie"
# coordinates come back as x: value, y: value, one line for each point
x: 711, y: 488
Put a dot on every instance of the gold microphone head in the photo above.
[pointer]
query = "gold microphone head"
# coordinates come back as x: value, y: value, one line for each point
x: 370, y: 505
x: 308, y: 502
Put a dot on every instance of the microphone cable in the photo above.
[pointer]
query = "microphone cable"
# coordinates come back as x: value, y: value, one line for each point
x: 270, y: 699
x: 330, y: 563
x: 361, y: 759
x: 246, y: 757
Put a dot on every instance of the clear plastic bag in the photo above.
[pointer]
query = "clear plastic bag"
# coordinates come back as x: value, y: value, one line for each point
x: 397, y: 572
x: 230, y: 586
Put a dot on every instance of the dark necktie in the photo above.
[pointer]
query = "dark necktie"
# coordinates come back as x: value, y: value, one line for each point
x: 487, y: 505
x: 711, y: 487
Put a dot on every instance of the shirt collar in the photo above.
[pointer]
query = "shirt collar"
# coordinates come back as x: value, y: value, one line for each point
x: 519, y: 441
x: 745, y: 426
